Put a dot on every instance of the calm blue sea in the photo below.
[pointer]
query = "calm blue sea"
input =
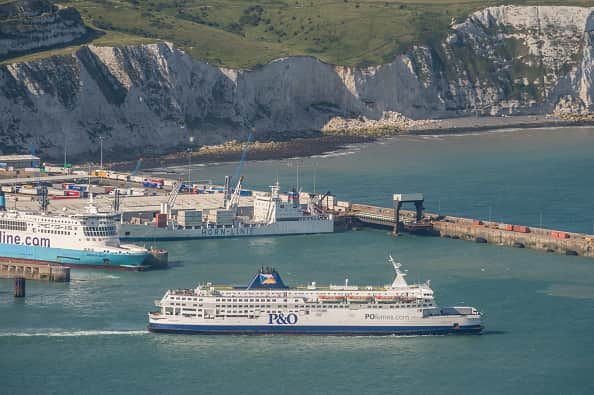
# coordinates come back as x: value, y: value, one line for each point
x: 89, y: 336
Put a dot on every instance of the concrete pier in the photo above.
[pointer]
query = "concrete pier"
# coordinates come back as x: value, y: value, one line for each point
x: 566, y: 243
x: 533, y: 238
x: 34, y: 271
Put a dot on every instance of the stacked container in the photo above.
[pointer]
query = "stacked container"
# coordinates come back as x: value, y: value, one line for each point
x: 221, y: 216
x: 189, y: 218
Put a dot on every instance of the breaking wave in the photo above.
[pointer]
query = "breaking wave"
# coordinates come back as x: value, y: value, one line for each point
x: 71, y: 333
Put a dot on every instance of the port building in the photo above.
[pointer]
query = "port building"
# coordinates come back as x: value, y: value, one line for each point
x: 19, y: 161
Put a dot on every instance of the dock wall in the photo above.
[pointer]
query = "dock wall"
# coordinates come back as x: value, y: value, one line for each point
x: 535, y: 238
x: 33, y: 271
x: 477, y: 230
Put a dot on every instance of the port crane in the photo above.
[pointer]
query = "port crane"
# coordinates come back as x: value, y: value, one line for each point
x: 232, y: 200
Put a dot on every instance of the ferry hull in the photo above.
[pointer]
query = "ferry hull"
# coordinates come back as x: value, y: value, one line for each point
x: 317, y: 330
x: 134, y: 232
x: 71, y: 258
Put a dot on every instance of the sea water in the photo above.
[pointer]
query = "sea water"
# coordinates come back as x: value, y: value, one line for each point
x: 89, y: 336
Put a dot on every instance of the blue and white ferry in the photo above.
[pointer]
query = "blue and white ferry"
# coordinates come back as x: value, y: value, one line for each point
x: 268, y: 307
x: 88, y: 240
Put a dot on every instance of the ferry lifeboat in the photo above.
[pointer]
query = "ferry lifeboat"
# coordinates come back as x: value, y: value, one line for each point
x: 408, y: 299
x: 359, y: 298
x: 387, y: 298
x: 331, y: 298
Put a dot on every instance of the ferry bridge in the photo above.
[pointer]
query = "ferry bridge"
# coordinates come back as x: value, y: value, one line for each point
x: 394, y: 218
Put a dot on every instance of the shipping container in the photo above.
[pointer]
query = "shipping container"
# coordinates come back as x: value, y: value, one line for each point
x: 29, y: 191
x: 55, y: 192
x: 554, y: 234
x: 136, y: 192
x: 244, y: 192
x: 148, y: 184
x: 562, y: 235
x: 521, y: 229
x: 156, y: 180
x: 477, y: 222
x: 221, y: 216
x: 189, y: 218
x: 161, y: 220
x: 77, y: 187
x: 72, y: 193
x: 509, y: 227
x: 54, y: 169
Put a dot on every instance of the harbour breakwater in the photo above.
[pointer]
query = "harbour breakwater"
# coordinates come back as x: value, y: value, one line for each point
x: 475, y: 230
x: 156, y: 99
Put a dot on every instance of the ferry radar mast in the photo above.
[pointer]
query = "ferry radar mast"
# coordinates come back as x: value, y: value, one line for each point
x: 399, y: 281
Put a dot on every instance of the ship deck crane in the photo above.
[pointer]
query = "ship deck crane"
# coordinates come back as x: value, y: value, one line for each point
x: 232, y: 200
x: 175, y: 189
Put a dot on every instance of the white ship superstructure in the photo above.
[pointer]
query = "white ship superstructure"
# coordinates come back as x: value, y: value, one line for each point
x: 268, y: 306
x: 272, y: 216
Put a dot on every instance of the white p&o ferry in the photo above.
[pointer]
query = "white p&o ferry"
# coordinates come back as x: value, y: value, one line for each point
x: 267, y: 306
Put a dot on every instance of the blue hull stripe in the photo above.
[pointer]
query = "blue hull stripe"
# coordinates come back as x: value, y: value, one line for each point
x: 71, y: 257
x: 314, y: 330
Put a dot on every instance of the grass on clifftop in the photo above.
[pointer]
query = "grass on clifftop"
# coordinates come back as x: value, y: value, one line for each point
x: 248, y: 33
x: 109, y: 38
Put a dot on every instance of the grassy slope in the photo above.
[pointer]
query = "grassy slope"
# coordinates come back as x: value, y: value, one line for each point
x: 245, y: 33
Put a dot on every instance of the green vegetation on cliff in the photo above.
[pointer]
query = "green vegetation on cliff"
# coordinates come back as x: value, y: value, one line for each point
x: 246, y: 33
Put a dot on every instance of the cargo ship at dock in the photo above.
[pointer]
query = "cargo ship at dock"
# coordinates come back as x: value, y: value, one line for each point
x: 266, y: 306
x: 85, y: 240
x: 272, y: 216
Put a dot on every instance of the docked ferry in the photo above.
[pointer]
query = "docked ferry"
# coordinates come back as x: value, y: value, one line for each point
x: 85, y: 240
x: 266, y: 306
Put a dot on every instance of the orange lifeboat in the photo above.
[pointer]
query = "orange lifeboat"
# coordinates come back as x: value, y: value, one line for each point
x: 408, y: 299
x: 331, y: 298
x: 387, y: 298
x: 359, y: 298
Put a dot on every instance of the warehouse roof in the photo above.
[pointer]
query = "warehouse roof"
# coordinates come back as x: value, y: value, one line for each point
x: 5, y: 158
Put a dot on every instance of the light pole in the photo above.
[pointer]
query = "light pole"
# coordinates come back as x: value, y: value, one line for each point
x: 190, y: 162
x: 65, y: 151
x: 101, y: 149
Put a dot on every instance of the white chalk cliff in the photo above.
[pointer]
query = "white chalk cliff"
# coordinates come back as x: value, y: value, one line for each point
x: 152, y: 98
